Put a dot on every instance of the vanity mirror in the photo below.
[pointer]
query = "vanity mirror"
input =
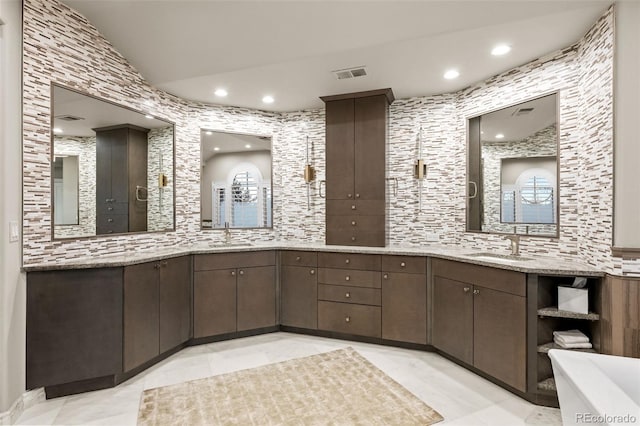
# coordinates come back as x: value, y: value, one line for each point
x: 112, y: 168
x: 512, y: 169
x: 235, y: 180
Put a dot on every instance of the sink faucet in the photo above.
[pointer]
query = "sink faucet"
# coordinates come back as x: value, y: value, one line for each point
x: 227, y: 233
x: 515, y: 244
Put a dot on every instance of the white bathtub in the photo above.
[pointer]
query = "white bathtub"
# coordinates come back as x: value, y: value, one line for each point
x: 596, y: 389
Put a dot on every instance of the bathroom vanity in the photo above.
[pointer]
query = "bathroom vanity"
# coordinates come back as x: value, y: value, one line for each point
x: 93, y: 324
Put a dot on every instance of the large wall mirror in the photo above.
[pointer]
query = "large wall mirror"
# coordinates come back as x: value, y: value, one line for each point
x: 235, y: 180
x: 512, y: 161
x: 112, y: 168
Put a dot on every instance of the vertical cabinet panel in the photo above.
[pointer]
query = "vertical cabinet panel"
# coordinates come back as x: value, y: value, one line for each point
x: 175, y: 302
x: 256, y: 297
x: 453, y: 318
x: 141, y: 314
x: 298, y: 296
x: 370, y: 137
x: 404, y: 307
x: 340, y: 151
x: 214, y: 293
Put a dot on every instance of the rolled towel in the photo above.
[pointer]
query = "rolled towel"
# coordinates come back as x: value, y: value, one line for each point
x: 570, y: 336
x: 582, y: 345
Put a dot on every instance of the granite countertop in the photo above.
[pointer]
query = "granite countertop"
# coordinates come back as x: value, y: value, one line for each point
x: 527, y: 263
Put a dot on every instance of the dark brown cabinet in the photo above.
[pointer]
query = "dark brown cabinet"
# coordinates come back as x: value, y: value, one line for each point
x: 404, y: 299
x: 479, y: 317
x: 299, y: 289
x: 157, y: 309
x: 356, y: 138
x: 234, y: 292
x: 121, y: 174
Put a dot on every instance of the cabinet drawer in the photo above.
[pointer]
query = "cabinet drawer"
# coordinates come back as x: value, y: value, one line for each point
x: 494, y: 278
x: 349, y: 277
x: 112, y: 223
x: 370, y: 262
x: 299, y: 258
x: 355, y: 207
x: 347, y: 318
x: 368, y: 238
x: 361, y: 295
x: 409, y: 264
x: 112, y: 208
x: 205, y: 262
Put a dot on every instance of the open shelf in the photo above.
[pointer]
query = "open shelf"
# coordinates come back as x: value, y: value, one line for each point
x: 543, y: 349
x: 553, y: 311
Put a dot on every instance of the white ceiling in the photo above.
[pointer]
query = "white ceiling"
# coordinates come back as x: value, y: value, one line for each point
x: 230, y: 143
x: 289, y: 48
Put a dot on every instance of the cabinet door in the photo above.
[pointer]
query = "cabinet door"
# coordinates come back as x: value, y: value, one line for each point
x: 453, y: 318
x: 340, y: 149
x: 404, y: 307
x: 256, y: 297
x: 370, y: 135
x: 141, y: 330
x: 299, y: 297
x: 214, y: 308
x: 175, y: 302
x: 500, y: 336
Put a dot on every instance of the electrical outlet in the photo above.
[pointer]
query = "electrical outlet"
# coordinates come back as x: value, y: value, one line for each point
x: 433, y: 237
x: 14, y: 231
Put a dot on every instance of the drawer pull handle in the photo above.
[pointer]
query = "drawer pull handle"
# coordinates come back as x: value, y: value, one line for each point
x: 109, y: 220
x: 241, y: 272
x: 349, y: 195
x: 476, y: 291
x: 347, y: 295
x: 110, y: 231
x: 357, y: 195
x: 312, y: 271
x: 353, y: 207
x: 347, y: 261
x: 110, y: 208
x: 353, y: 238
x: 466, y: 289
x: 385, y: 276
x: 347, y: 278
x: 233, y: 273
x: 298, y: 258
x: 353, y: 223
x: 402, y: 265
x: 347, y: 319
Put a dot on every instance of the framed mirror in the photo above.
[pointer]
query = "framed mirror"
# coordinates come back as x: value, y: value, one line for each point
x: 112, y: 168
x: 235, y: 180
x: 512, y: 169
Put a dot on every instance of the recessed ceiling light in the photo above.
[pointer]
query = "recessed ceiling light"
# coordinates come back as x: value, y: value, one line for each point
x: 221, y: 92
x: 216, y: 148
x: 501, y: 49
x: 499, y: 136
x: 268, y: 99
x: 149, y: 116
x: 57, y: 130
x: 208, y: 133
x: 247, y: 146
x: 451, y: 74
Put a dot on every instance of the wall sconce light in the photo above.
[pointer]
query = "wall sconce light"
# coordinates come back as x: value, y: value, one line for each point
x: 309, y: 176
x: 419, y: 169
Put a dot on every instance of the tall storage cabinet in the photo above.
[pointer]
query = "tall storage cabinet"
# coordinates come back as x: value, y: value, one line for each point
x: 356, y: 139
x: 121, y: 167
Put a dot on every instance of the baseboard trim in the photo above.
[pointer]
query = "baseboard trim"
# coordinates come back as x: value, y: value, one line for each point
x: 25, y: 401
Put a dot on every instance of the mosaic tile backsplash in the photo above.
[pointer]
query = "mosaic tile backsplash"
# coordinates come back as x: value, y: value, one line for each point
x: 61, y: 46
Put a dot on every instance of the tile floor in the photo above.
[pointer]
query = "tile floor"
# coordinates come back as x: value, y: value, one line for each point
x: 462, y: 397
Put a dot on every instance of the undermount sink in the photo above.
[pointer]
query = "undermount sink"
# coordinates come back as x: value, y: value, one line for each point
x: 499, y: 257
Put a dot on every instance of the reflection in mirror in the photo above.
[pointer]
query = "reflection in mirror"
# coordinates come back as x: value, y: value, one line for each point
x: 65, y: 188
x: 235, y: 180
x: 124, y: 162
x: 513, y: 169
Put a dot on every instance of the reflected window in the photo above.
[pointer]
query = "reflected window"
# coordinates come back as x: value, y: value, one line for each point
x: 65, y: 188
x: 248, y: 204
x: 531, y: 200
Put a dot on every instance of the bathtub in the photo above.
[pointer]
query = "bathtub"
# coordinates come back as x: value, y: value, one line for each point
x: 595, y: 389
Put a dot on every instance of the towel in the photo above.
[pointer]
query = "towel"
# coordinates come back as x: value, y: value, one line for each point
x: 582, y: 345
x: 570, y: 336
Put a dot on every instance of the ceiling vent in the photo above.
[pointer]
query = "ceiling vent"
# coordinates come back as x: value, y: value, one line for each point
x: 522, y: 111
x: 68, y: 117
x: 350, y: 72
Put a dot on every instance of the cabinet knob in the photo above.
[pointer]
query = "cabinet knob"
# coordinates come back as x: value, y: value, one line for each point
x: 347, y: 261
x: 353, y: 206
x: 357, y: 195
x: 156, y: 266
x: 298, y: 258
x: 349, y: 195
x: 312, y: 272
x: 165, y: 263
x: 109, y: 220
x: 466, y: 289
x: 347, y: 278
x: 353, y: 223
x: 110, y: 231
x: 109, y: 208
x: 347, y: 295
x: 476, y: 291
x: 385, y: 276
x: 241, y: 272
x: 233, y: 273
x: 402, y: 264
x: 353, y: 238
x: 347, y: 319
